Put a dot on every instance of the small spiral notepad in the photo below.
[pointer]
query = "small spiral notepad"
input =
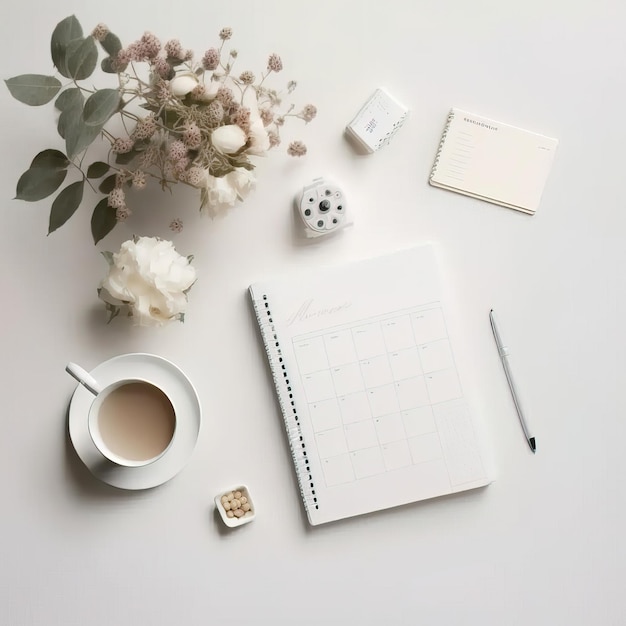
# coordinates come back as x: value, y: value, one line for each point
x: 493, y: 161
x: 371, y: 394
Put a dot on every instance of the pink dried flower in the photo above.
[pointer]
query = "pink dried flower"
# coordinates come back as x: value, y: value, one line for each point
x: 152, y: 46
x: 195, y: 175
x: 225, y: 96
x: 173, y: 48
x: 162, y: 91
x: 176, y: 225
x: 161, y: 67
x: 179, y: 168
x: 247, y: 77
x: 211, y: 59
x: 139, y: 179
x: 188, y: 55
x: 296, y: 149
x: 145, y: 128
x: 192, y: 136
x: 117, y: 198
x: 177, y: 151
x: 226, y: 33
x: 242, y: 118
x: 308, y: 113
x: 122, y: 177
x: 274, y: 138
x: 267, y: 116
x: 279, y: 121
x: 122, y: 214
x: 100, y: 32
x: 274, y: 63
x: 122, y: 145
x: 197, y: 92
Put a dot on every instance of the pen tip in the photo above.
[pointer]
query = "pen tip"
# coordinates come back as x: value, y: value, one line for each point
x: 533, y: 447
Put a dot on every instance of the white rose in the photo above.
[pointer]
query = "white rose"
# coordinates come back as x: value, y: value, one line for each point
x: 242, y: 180
x: 183, y: 84
x: 150, y: 277
x: 228, y: 139
x: 221, y: 194
x: 259, y: 139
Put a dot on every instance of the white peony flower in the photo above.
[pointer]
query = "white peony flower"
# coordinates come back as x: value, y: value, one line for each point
x: 182, y: 84
x: 228, y: 139
x: 149, y: 276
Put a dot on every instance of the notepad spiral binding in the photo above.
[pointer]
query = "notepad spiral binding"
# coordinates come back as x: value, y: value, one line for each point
x: 286, y: 401
x: 442, y: 141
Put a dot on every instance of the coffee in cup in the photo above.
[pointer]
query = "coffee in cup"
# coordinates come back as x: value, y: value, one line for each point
x: 132, y: 422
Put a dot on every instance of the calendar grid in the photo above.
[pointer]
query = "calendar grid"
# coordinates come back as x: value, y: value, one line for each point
x: 376, y: 389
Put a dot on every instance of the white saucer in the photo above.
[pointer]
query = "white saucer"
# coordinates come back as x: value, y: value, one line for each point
x: 176, y: 385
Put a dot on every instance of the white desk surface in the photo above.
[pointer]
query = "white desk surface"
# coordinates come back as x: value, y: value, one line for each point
x: 544, y: 543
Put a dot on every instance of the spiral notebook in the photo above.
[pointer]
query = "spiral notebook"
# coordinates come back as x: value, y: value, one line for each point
x: 493, y: 161
x: 372, y: 395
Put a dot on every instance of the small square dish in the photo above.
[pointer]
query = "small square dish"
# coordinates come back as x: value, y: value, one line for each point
x: 235, y: 506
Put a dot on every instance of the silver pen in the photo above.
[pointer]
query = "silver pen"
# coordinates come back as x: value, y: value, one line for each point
x: 503, y: 351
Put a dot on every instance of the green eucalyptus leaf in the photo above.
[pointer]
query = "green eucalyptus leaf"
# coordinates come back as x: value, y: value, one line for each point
x: 108, y: 184
x: 50, y: 159
x: 65, y: 32
x: 68, y: 97
x: 78, y: 136
x: 70, y: 102
x: 39, y: 182
x: 106, y: 65
x: 100, y: 106
x: 111, y: 44
x: 33, y: 89
x: 97, y: 169
x: 81, y: 58
x: 103, y: 220
x: 65, y: 205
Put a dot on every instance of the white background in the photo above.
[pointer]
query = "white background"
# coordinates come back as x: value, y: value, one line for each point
x: 544, y: 543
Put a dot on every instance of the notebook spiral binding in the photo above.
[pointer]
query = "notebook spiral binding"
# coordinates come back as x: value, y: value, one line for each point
x: 441, y: 143
x: 286, y: 401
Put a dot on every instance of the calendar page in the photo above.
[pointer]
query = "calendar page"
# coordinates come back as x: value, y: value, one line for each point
x: 371, y: 393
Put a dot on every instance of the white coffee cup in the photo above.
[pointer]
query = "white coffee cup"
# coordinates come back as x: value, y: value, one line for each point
x: 132, y: 422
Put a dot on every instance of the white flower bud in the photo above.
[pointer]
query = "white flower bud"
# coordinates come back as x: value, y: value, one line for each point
x: 228, y: 139
x: 183, y: 84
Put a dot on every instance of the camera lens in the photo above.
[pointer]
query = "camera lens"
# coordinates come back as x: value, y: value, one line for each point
x: 307, y: 212
x: 339, y: 208
x: 324, y: 206
x: 320, y: 223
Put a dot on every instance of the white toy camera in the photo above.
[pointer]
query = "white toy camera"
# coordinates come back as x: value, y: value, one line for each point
x: 322, y: 208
